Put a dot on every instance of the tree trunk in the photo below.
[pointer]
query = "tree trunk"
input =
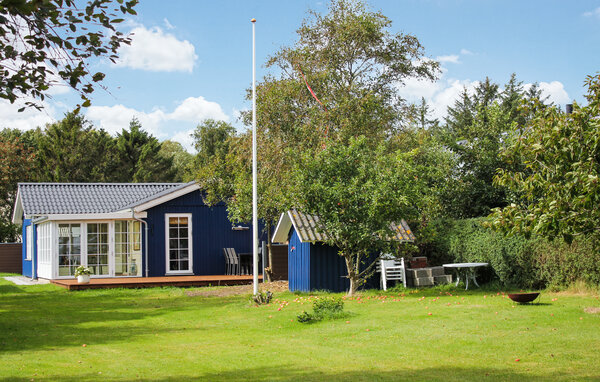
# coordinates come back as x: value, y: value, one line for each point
x: 352, y: 274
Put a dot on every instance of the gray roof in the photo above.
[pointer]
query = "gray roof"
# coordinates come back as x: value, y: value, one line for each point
x: 309, y: 229
x: 82, y: 198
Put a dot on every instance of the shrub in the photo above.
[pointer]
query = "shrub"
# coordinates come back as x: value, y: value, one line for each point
x: 514, y: 260
x: 324, y: 308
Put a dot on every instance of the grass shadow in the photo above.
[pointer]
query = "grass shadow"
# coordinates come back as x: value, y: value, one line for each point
x: 285, y: 373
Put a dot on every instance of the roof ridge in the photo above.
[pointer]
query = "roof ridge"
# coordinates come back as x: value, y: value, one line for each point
x: 99, y: 184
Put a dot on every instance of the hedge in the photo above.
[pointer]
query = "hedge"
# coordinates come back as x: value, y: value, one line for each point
x: 514, y: 260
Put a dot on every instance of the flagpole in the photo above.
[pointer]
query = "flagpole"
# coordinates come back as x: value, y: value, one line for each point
x: 254, y: 171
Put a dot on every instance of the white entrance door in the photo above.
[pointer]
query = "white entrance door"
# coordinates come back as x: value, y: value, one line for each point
x: 178, y: 237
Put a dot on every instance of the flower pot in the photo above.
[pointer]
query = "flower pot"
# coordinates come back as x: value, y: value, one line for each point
x: 83, y: 279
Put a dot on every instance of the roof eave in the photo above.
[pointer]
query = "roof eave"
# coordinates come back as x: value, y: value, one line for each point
x: 147, y: 204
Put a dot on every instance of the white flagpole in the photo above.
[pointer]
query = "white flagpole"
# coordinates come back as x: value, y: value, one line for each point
x: 254, y: 171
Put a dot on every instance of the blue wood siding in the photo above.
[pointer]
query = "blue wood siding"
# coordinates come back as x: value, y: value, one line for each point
x: 211, y: 232
x: 327, y: 269
x: 27, y: 263
x: 315, y: 266
x: 298, y: 264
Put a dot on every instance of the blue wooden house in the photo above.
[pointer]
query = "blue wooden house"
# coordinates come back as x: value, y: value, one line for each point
x: 123, y: 230
x: 313, y: 265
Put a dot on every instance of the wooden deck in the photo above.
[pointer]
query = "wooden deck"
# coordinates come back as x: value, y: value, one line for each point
x: 149, y: 282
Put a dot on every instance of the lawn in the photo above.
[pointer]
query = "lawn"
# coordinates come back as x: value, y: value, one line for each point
x: 49, y: 334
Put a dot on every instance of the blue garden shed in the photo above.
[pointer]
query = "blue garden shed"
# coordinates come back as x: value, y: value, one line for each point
x: 123, y: 230
x: 313, y: 265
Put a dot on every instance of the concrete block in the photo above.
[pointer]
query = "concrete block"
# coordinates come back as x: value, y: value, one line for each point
x: 422, y: 272
x: 437, y: 271
x: 423, y: 281
x: 442, y: 279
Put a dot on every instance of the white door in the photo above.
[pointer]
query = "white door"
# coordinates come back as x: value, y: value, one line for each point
x: 98, y: 249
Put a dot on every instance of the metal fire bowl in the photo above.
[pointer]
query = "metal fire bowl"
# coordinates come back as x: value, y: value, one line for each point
x: 523, y: 297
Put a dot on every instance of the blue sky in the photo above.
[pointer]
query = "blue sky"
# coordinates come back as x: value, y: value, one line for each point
x: 191, y: 59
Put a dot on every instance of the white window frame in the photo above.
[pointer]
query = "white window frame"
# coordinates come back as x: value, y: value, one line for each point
x: 190, y: 270
x: 29, y: 242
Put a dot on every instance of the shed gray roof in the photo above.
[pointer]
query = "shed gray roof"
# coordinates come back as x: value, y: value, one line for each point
x: 83, y: 198
x: 309, y: 229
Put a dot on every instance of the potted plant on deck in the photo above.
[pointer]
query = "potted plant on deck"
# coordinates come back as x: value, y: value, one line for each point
x: 83, y: 274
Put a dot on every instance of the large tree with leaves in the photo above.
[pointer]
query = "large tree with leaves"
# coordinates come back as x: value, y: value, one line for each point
x: 338, y: 81
x: 558, y: 182
x: 16, y: 164
x: 358, y: 191
x: 138, y: 157
x: 45, y: 43
x: 475, y: 131
x: 72, y: 150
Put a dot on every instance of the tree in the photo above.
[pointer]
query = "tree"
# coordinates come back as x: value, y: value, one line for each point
x: 16, y: 163
x: 558, y: 182
x: 355, y: 74
x: 71, y: 150
x: 44, y: 43
x: 211, y: 139
x: 475, y: 131
x: 138, y: 157
x: 357, y: 193
x: 181, y: 159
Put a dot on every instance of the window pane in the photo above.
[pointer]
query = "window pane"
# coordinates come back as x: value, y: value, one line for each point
x: 173, y: 254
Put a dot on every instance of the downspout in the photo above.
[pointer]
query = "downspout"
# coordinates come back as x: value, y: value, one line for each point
x: 145, y: 239
x: 34, y: 247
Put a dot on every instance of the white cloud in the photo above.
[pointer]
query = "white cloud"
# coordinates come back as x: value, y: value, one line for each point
x: 115, y: 118
x: 176, y: 125
x: 439, y: 95
x: 168, y: 25
x: 556, y: 92
x: 452, y: 58
x: 157, y: 51
x: 595, y: 12
x: 197, y: 109
x: 466, y: 52
x: 28, y: 119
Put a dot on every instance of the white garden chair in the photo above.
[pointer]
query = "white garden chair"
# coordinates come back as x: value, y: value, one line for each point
x: 392, y: 269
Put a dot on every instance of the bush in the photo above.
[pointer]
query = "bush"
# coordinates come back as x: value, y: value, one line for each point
x: 324, y: 308
x: 514, y: 260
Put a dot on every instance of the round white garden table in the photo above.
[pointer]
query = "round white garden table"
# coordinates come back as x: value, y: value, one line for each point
x: 469, y: 271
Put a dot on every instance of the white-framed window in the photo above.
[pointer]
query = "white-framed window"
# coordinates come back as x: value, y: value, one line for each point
x: 178, y: 237
x: 29, y: 240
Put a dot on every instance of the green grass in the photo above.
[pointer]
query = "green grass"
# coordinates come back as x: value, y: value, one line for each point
x: 165, y: 335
